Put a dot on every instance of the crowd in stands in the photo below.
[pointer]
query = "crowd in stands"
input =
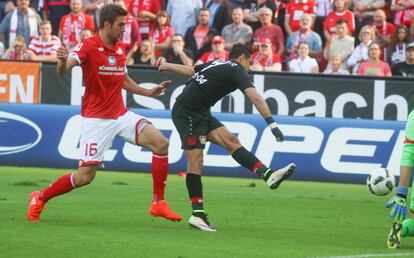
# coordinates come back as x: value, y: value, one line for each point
x: 362, y: 37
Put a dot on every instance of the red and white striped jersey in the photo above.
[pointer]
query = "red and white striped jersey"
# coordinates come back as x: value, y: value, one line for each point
x: 44, y: 48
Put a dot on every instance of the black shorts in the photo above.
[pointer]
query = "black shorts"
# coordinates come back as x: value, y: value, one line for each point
x: 193, y: 126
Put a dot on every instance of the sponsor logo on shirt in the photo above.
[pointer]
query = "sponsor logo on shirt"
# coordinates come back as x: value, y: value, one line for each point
x: 111, y: 60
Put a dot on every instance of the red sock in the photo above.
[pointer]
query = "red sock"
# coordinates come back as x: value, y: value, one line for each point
x: 63, y: 185
x: 159, y: 175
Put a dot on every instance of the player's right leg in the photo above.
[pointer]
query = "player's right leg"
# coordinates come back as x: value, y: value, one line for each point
x: 96, y: 138
x: 62, y: 185
x: 193, y: 128
x: 198, y: 218
x: 273, y: 178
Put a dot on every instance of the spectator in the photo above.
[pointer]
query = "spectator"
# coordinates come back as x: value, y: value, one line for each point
x: 45, y: 46
x: 364, y: 11
x: 23, y: 21
x: 17, y: 50
x: 145, y: 55
x: 335, y: 66
x: 218, y: 52
x: 145, y: 11
x: 53, y: 10
x: 131, y: 37
x: 93, y: 8
x: 406, y: 68
x: 220, y: 11
x: 384, y: 31
x: 304, y: 63
x: 403, y: 11
x: 305, y: 34
x: 374, y: 66
x: 295, y: 10
x: 8, y: 7
x: 252, y: 16
x: 269, y: 30
x: 183, y: 14
x: 85, y: 34
x: 323, y: 8
x: 237, y: 32
x: 340, y: 12
x: 72, y: 24
x: 265, y: 59
x: 360, y: 53
x: 398, y: 45
x: 198, y: 38
x: 341, y: 44
x: 177, y: 54
x: 162, y: 33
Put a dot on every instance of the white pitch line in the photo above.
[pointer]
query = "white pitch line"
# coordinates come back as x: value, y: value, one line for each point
x: 368, y: 255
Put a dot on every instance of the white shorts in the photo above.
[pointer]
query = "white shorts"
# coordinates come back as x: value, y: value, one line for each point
x: 98, y: 134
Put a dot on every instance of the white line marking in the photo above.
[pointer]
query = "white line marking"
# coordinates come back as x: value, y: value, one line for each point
x: 367, y: 255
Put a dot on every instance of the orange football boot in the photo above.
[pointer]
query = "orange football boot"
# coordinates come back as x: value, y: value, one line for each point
x: 162, y: 209
x: 35, y: 207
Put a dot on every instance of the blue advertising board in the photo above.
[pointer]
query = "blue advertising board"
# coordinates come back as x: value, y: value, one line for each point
x: 324, y: 149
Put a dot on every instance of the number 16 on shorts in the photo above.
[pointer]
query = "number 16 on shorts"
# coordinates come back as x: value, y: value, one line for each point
x: 91, y: 149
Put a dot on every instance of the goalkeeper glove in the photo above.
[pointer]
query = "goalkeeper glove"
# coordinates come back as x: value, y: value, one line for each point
x: 398, y: 204
x: 275, y: 130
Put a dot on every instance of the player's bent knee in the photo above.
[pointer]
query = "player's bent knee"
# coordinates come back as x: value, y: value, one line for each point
x: 161, y: 146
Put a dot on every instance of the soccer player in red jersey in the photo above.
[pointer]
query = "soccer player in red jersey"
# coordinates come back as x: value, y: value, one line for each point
x: 104, y: 116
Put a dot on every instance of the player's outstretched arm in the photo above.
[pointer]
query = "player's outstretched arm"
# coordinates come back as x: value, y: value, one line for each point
x: 65, y: 63
x: 132, y: 87
x: 162, y: 65
x: 264, y: 110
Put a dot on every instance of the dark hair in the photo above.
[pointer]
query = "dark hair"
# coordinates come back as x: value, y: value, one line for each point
x: 204, y: 9
x: 109, y: 13
x: 341, y: 21
x: 238, y: 50
x: 179, y: 35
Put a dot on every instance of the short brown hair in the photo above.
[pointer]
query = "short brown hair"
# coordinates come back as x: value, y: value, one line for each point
x: 44, y: 22
x: 109, y: 13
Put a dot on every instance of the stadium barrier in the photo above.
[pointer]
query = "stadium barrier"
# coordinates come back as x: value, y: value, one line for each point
x: 314, y: 95
x: 324, y: 149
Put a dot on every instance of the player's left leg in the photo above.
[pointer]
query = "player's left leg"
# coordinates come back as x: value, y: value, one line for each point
x: 222, y: 136
x: 143, y: 133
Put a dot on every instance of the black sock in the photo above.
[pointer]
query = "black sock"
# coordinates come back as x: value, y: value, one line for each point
x: 249, y: 161
x: 195, y: 192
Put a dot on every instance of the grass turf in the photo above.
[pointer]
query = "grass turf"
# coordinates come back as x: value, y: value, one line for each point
x: 109, y: 218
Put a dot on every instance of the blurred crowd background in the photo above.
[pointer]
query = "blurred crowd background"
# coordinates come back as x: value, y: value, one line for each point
x: 362, y: 37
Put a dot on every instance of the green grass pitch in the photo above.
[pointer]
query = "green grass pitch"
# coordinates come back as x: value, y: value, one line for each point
x: 109, y: 218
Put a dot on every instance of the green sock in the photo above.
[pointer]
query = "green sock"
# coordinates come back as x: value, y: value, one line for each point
x: 408, y: 227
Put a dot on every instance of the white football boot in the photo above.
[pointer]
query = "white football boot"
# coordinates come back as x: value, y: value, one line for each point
x: 201, y: 223
x: 278, y: 176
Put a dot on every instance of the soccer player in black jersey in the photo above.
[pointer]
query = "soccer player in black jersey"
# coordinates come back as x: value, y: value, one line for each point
x: 191, y: 115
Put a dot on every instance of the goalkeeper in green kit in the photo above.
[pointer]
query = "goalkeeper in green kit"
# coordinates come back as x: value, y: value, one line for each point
x: 403, y: 227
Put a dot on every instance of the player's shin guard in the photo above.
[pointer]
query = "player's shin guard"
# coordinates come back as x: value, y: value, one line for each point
x: 159, y: 175
x: 250, y: 161
x: 61, y: 186
x: 195, y: 192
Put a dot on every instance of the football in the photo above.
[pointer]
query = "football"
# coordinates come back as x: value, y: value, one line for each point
x: 380, y: 181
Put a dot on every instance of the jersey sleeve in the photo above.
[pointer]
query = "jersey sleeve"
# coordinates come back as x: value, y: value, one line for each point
x: 200, y: 67
x: 240, y: 78
x: 80, y: 52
